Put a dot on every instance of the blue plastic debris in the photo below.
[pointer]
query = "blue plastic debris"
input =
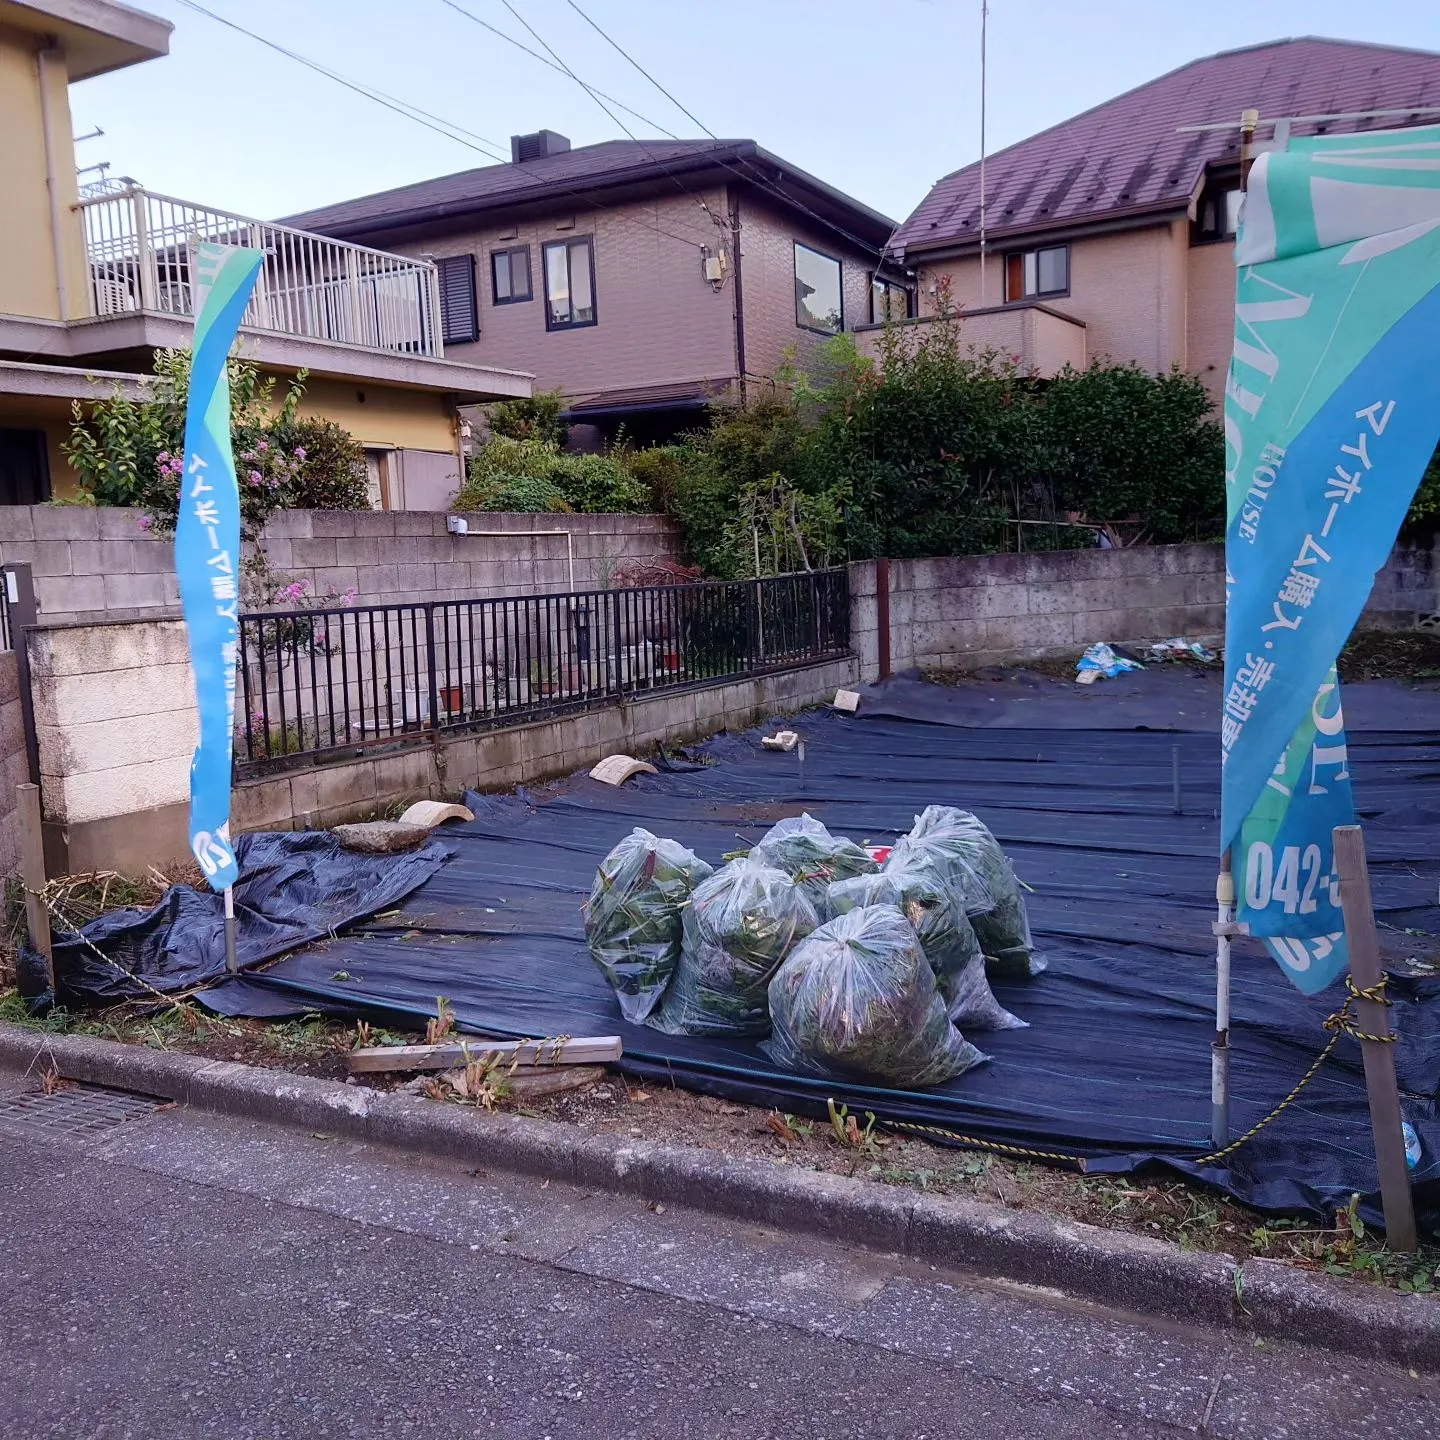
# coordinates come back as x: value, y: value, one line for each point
x: 1102, y: 660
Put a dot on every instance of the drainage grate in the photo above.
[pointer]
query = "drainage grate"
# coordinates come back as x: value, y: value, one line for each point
x: 74, y: 1110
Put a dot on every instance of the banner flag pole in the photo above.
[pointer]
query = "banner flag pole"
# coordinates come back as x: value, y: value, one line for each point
x: 207, y: 556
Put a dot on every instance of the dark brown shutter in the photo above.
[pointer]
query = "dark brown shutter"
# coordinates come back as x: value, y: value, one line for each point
x: 460, y: 319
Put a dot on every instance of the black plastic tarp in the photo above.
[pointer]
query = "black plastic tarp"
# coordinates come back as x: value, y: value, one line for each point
x: 293, y: 888
x: 1115, y: 1066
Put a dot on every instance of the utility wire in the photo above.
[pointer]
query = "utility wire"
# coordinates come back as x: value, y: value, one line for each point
x: 425, y: 117
x: 595, y: 96
x: 625, y: 54
x: 489, y: 148
x: 756, y: 177
x: 553, y: 65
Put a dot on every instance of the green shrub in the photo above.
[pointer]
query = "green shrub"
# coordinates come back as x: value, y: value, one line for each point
x: 535, y: 418
x: 520, y: 494
x: 601, y: 484
x: 598, y: 484
x: 131, y: 453
x: 331, y: 474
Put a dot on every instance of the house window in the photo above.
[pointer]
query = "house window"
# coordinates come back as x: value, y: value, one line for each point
x: 818, y: 302
x: 888, y: 301
x: 1030, y: 274
x: 510, y: 275
x: 1218, y: 215
x: 569, y: 284
x: 459, y: 315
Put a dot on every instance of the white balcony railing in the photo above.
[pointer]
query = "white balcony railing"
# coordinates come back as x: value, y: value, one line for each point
x: 139, y: 247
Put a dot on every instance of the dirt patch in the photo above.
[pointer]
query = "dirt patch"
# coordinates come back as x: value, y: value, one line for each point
x: 1391, y: 655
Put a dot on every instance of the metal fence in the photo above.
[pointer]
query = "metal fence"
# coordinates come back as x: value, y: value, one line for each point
x: 324, y: 683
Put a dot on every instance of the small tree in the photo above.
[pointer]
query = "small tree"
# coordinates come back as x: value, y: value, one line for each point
x: 538, y: 417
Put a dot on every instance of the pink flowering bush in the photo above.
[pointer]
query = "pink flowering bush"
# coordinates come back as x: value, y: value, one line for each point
x: 132, y: 452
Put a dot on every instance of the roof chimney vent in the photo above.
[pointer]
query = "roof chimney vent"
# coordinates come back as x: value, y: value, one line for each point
x: 537, y: 146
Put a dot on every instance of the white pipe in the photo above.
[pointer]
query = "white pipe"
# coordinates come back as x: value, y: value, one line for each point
x: 501, y: 535
x: 1220, y: 1051
x: 62, y: 293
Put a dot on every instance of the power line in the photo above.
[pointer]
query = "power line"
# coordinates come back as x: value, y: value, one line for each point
x: 415, y: 113
x: 633, y: 61
x: 595, y: 96
x: 551, y: 64
x: 451, y: 131
x: 757, y: 176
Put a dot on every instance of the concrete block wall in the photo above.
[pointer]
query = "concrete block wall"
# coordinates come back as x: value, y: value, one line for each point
x: 967, y: 611
x: 99, y: 564
x: 14, y: 765
x: 116, y: 726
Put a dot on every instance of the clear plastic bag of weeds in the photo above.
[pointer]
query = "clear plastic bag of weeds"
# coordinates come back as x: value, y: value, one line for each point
x: 814, y: 858
x: 963, y: 848
x: 740, y: 924
x: 633, y: 916
x: 923, y: 896
x: 858, y: 999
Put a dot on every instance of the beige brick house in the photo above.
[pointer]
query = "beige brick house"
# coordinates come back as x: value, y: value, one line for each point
x: 642, y: 278
x: 1110, y: 235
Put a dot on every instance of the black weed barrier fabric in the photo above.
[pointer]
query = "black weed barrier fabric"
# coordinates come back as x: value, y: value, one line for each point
x: 293, y: 888
x: 1115, y: 1064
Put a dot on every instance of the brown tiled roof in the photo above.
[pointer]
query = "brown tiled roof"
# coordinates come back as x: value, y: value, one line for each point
x: 1128, y: 157
x: 583, y: 170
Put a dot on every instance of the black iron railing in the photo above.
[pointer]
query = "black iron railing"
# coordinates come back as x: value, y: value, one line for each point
x: 322, y: 683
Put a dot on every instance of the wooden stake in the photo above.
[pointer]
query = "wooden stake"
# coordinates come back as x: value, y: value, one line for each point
x: 32, y: 873
x: 594, y: 1050
x: 1379, y: 1058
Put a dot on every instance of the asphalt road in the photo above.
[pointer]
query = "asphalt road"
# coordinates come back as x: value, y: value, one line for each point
x: 170, y: 1275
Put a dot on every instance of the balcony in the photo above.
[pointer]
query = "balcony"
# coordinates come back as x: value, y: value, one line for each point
x: 1041, y: 340
x: 139, y: 247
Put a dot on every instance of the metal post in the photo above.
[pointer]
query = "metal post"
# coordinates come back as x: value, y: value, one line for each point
x: 882, y: 615
x: 144, y: 254
x: 800, y: 750
x: 231, y: 964
x: 24, y: 612
x: 32, y: 874
x: 1225, y: 880
x: 1220, y: 1047
x: 1379, y: 1056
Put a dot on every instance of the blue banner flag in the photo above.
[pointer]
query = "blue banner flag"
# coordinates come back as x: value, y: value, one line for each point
x: 207, y: 547
x: 1332, y: 411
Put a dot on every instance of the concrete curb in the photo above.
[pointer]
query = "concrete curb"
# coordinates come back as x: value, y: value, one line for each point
x: 1127, y: 1272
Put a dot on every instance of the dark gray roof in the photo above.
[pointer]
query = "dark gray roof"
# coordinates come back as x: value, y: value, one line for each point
x: 584, y: 170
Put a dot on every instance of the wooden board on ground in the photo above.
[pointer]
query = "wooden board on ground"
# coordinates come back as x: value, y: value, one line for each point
x: 589, y: 1050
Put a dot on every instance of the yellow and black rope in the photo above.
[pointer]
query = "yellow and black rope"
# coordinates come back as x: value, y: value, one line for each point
x: 1342, y: 1022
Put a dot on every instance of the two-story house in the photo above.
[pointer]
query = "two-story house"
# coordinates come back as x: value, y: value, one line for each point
x: 93, y: 282
x: 1111, y: 234
x: 642, y: 278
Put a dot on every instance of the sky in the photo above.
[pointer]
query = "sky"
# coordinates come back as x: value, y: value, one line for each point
x: 877, y: 99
